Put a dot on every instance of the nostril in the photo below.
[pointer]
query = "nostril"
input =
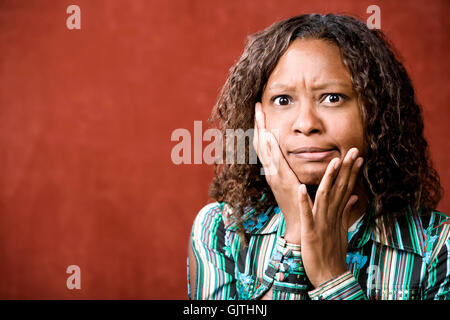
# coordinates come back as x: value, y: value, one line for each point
x: 309, y: 132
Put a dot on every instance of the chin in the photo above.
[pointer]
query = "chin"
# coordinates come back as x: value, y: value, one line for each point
x: 310, y: 174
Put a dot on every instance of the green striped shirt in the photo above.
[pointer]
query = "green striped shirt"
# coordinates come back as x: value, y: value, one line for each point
x: 412, y: 263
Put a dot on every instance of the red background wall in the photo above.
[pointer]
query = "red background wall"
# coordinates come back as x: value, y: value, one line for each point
x: 86, y: 117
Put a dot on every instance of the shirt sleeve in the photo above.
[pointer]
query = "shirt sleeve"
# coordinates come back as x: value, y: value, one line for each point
x: 214, y: 269
x: 342, y: 287
x: 437, y: 279
x: 285, y: 273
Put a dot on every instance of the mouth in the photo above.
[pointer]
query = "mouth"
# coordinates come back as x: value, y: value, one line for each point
x: 314, y: 154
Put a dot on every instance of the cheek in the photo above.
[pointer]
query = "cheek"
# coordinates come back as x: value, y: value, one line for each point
x: 273, y: 121
x: 348, y: 132
x: 349, y: 139
x: 279, y: 128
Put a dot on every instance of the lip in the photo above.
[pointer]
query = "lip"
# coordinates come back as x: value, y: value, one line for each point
x: 313, y: 153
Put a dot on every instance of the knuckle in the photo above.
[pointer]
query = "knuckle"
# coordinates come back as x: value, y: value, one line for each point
x: 355, y: 170
x: 324, y: 193
x: 341, y: 187
x: 347, y: 164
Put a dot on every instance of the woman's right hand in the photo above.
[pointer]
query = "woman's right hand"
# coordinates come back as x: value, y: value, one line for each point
x: 279, y: 175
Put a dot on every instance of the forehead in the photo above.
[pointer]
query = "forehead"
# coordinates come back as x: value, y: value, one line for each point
x: 311, y: 61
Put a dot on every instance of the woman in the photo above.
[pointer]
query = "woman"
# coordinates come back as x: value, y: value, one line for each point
x: 345, y: 209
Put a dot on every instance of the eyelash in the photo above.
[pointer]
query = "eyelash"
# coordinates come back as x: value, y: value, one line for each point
x: 340, y: 95
x: 281, y: 96
x: 322, y: 97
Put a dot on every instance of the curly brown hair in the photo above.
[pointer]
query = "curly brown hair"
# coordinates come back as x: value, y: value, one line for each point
x: 398, y: 173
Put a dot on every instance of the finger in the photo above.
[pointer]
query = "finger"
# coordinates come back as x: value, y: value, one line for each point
x: 324, y: 190
x: 278, y: 156
x: 263, y: 149
x: 269, y: 148
x: 306, y: 213
x: 311, y: 204
x: 274, y: 153
x: 259, y: 116
x: 255, y: 133
x: 278, y: 159
x: 346, y: 168
x: 262, y: 132
x: 258, y: 122
x: 327, y: 179
x: 352, y: 181
x: 340, y: 186
x: 268, y: 144
x: 348, y: 206
x: 256, y: 137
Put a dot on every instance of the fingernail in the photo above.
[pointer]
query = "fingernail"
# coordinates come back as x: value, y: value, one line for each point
x: 355, y: 199
x: 359, y: 162
x: 355, y: 154
x: 258, y: 108
x: 257, y: 114
x: 303, y: 189
x: 337, y: 163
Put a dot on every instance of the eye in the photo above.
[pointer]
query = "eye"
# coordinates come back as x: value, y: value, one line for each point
x: 282, y: 100
x: 333, y: 98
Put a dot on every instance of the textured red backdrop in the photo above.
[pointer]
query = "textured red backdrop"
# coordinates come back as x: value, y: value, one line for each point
x: 86, y: 118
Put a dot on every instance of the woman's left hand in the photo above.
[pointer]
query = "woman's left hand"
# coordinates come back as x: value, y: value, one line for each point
x: 323, y: 233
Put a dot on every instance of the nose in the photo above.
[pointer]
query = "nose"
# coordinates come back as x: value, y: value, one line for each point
x: 308, y: 120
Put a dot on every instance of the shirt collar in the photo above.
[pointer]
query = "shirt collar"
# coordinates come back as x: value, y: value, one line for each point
x: 406, y: 234
x: 262, y: 223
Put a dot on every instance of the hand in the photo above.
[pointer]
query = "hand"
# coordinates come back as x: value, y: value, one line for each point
x: 323, y: 232
x: 279, y: 175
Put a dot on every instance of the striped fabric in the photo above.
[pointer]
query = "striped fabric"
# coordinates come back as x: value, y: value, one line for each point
x: 412, y: 263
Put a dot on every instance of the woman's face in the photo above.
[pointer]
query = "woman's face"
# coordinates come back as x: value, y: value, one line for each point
x: 310, y: 103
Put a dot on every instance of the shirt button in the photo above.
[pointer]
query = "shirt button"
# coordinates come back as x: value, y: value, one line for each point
x: 280, y: 276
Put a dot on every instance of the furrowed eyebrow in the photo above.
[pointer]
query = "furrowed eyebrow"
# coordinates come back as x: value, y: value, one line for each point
x: 320, y: 86
x: 283, y: 86
x: 332, y: 84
